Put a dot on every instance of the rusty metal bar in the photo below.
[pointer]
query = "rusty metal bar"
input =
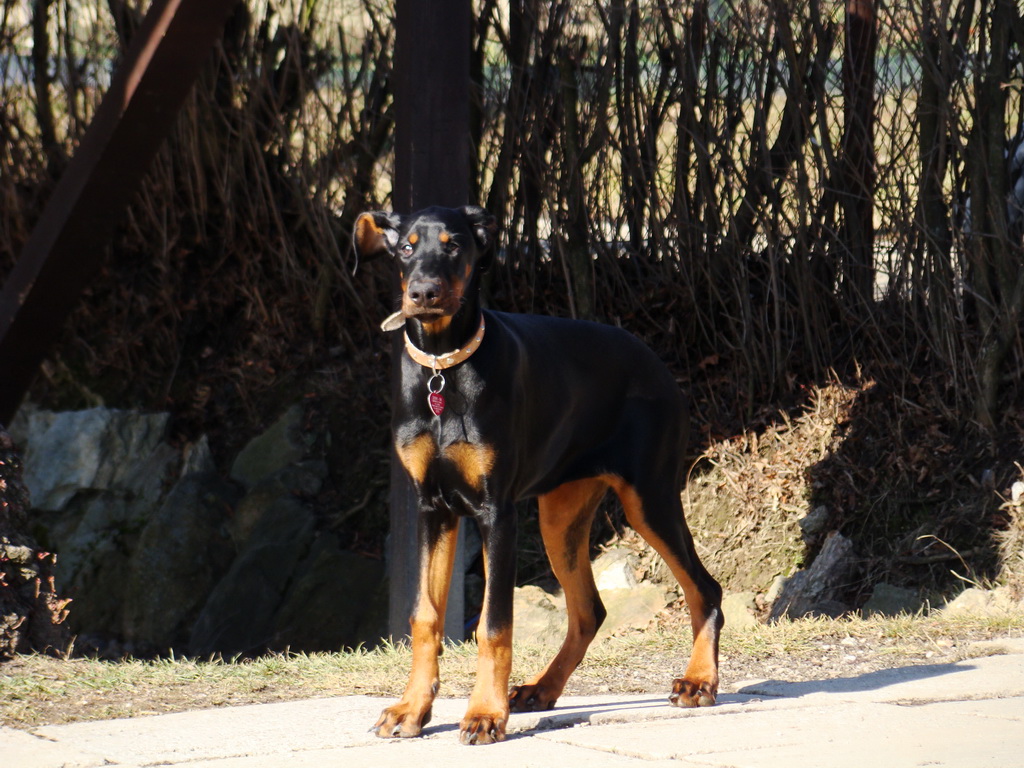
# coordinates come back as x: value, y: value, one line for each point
x: 68, y: 244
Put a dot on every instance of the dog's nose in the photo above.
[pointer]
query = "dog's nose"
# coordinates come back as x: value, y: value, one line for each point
x: 424, y: 292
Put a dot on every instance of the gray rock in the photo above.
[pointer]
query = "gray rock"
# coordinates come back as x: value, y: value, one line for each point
x: 613, y: 570
x: 329, y: 606
x: 99, y: 449
x: 303, y: 479
x: 239, y: 615
x: 739, y: 609
x: 632, y: 608
x: 775, y: 589
x: 818, y: 589
x: 538, y: 616
x: 251, y: 509
x: 97, y: 477
x: 94, y: 538
x: 830, y: 609
x: 197, y: 459
x: 889, y: 600
x: 158, y: 572
x: 181, y: 554
x: 282, y: 444
x: 982, y: 602
x: 814, y: 522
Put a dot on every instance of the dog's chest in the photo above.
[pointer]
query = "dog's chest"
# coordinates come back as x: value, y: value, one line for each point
x: 452, y: 465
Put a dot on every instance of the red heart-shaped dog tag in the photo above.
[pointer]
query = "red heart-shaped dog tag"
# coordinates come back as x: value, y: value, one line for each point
x: 436, y: 402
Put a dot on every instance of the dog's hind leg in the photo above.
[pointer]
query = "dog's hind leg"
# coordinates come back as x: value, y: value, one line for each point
x: 656, y: 513
x: 566, y: 515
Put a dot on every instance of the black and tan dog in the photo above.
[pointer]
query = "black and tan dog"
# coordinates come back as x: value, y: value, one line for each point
x: 494, y: 407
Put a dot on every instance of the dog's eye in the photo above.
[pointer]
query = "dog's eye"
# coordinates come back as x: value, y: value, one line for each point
x: 407, y: 249
x: 453, y: 249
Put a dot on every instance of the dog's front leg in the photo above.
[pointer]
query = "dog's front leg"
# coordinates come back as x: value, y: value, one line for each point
x: 437, y: 539
x: 487, y: 714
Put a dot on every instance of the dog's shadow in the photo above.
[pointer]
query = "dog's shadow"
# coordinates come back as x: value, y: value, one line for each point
x: 570, y: 714
x: 574, y: 713
x: 869, y: 681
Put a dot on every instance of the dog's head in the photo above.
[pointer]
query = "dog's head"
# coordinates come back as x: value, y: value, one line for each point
x: 438, y: 250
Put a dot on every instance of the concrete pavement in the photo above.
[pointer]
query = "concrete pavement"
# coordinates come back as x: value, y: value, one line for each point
x: 968, y: 714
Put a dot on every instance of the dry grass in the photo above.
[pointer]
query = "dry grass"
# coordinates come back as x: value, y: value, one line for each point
x: 37, y: 690
x: 747, y: 494
x: 1011, y: 543
x: 919, y: 491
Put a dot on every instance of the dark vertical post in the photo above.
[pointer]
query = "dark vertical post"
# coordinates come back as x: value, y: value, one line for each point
x: 859, y: 152
x: 67, y: 245
x: 432, y: 141
x: 432, y: 50
x: 994, y: 264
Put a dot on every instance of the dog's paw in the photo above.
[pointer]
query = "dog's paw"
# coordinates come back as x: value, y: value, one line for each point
x: 531, y: 698
x: 401, y: 721
x: 686, y: 693
x: 482, y: 728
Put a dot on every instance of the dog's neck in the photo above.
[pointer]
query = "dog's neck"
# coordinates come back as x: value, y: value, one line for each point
x: 445, y: 334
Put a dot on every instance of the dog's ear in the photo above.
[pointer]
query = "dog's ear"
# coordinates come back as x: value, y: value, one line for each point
x: 375, y: 233
x: 484, y: 226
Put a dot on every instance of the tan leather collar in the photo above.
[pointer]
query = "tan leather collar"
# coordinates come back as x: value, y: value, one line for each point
x: 448, y: 359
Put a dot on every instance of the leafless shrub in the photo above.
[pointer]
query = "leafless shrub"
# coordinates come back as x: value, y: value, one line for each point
x: 766, y: 191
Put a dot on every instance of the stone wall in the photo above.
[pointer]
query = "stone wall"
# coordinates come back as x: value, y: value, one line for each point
x: 159, y: 550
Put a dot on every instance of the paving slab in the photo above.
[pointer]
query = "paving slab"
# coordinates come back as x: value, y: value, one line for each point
x: 984, y: 677
x: 288, y: 728
x: 267, y: 729
x: 19, y: 749
x: 988, y: 733
x: 514, y: 752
